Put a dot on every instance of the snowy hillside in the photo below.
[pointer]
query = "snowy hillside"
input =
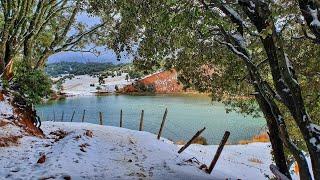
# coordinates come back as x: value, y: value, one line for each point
x: 88, y: 151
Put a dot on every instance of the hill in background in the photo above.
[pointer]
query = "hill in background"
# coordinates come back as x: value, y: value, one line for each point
x: 76, y: 68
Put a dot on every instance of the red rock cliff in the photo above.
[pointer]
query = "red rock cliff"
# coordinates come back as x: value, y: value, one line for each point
x: 161, y: 82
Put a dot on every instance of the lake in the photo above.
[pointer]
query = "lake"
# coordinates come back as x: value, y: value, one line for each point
x: 186, y: 115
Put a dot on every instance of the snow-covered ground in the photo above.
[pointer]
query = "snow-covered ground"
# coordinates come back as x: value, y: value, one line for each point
x: 6, y: 109
x: 80, y: 85
x: 89, y: 151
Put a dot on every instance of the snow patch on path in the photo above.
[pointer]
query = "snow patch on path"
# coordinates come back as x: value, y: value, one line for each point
x: 118, y: 153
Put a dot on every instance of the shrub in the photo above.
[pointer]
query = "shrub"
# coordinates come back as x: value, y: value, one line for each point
x: 33, y: 84
x: 98, y: 88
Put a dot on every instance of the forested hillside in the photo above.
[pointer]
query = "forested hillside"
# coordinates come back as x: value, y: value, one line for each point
x: 76, y: 68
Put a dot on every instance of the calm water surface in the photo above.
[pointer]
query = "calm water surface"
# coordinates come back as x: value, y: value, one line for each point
x: 186, y: 115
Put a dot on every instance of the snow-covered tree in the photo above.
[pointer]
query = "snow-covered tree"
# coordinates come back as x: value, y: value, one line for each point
x: 193, y: 37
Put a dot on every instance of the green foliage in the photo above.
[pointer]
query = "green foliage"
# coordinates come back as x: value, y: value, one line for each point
x: 181, y: 35
x: 4, y: 83
x: 76, y: 68
x: 140, y: 87
x: 30, y: 83
x: 184, y: 36
x: 101, y: 80
x: 135, y: 74
x: 59, y: 85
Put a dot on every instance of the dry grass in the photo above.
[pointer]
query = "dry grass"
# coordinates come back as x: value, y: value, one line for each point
x: 59, y: 134
x: 3, y: 123
x: 89, y: 133
x: 1, y: 96
x: 244, y: 142
x: 255, y: 160
x: 9, y: 141
x: 180, y: 142
x: 200, y: 140
x: 263, y: 137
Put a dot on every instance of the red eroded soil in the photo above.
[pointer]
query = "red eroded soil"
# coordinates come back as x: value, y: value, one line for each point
x: 162, y: 82
x: 23, y: 118
x: 8, y: 141
x: 24, y: 121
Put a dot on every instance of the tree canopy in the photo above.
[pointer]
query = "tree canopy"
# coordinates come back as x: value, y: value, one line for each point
x: 32, y: 30
x: 264, y: 49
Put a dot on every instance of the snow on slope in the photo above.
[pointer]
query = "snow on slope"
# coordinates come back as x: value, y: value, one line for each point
x: 249, y: 161
x: 5, y: 108
x: 80, y: 85
x: 117, y: 153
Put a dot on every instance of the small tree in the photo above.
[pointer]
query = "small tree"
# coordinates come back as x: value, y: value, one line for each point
x: 31, y: 84
x: 59, y: 86
x: 98, y: 88
x: 101, y: 80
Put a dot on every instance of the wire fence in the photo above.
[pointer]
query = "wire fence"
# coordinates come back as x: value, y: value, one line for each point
x: 175, y: 129
x: 131, y: 120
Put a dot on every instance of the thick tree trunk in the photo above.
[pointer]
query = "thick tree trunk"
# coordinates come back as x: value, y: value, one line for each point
x: 284, y: 79
x: 276, y: 142
x: 2, y: 66
x: 8, y: 71
x: 2, y: 57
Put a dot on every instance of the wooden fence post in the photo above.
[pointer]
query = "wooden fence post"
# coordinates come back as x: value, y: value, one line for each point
x: 72, y: 116
x: 219, y: 150
x: 62, y: 116
x: 54, y: 116
x: 191, y: 140
x: 101, y: 118
x: 162, y: 123
x: 141, y: 121
x: 121, y: 118
x: 84, y: 112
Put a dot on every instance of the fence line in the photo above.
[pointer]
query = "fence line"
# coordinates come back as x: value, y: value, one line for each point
x: 117, y: 119
x: 102, y: 118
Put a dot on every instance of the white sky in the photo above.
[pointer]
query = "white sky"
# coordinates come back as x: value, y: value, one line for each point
x: 107, y: 55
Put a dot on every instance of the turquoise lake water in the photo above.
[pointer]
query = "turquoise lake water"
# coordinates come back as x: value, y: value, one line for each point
x: 186, y: 115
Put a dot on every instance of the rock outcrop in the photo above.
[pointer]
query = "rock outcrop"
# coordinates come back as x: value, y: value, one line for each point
x: 160, y: 82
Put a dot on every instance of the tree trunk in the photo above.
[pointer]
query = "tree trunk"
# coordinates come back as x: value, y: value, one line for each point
x: 2, y: 65
x: 284, y: 79
x: 274, y: 135
x: 260, y: 97
x: 8, y: 71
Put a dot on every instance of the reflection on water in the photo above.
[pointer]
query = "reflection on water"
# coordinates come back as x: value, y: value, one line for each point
x: 186, y: 115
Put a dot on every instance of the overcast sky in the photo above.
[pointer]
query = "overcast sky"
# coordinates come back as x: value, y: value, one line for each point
x: 106, y: 55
